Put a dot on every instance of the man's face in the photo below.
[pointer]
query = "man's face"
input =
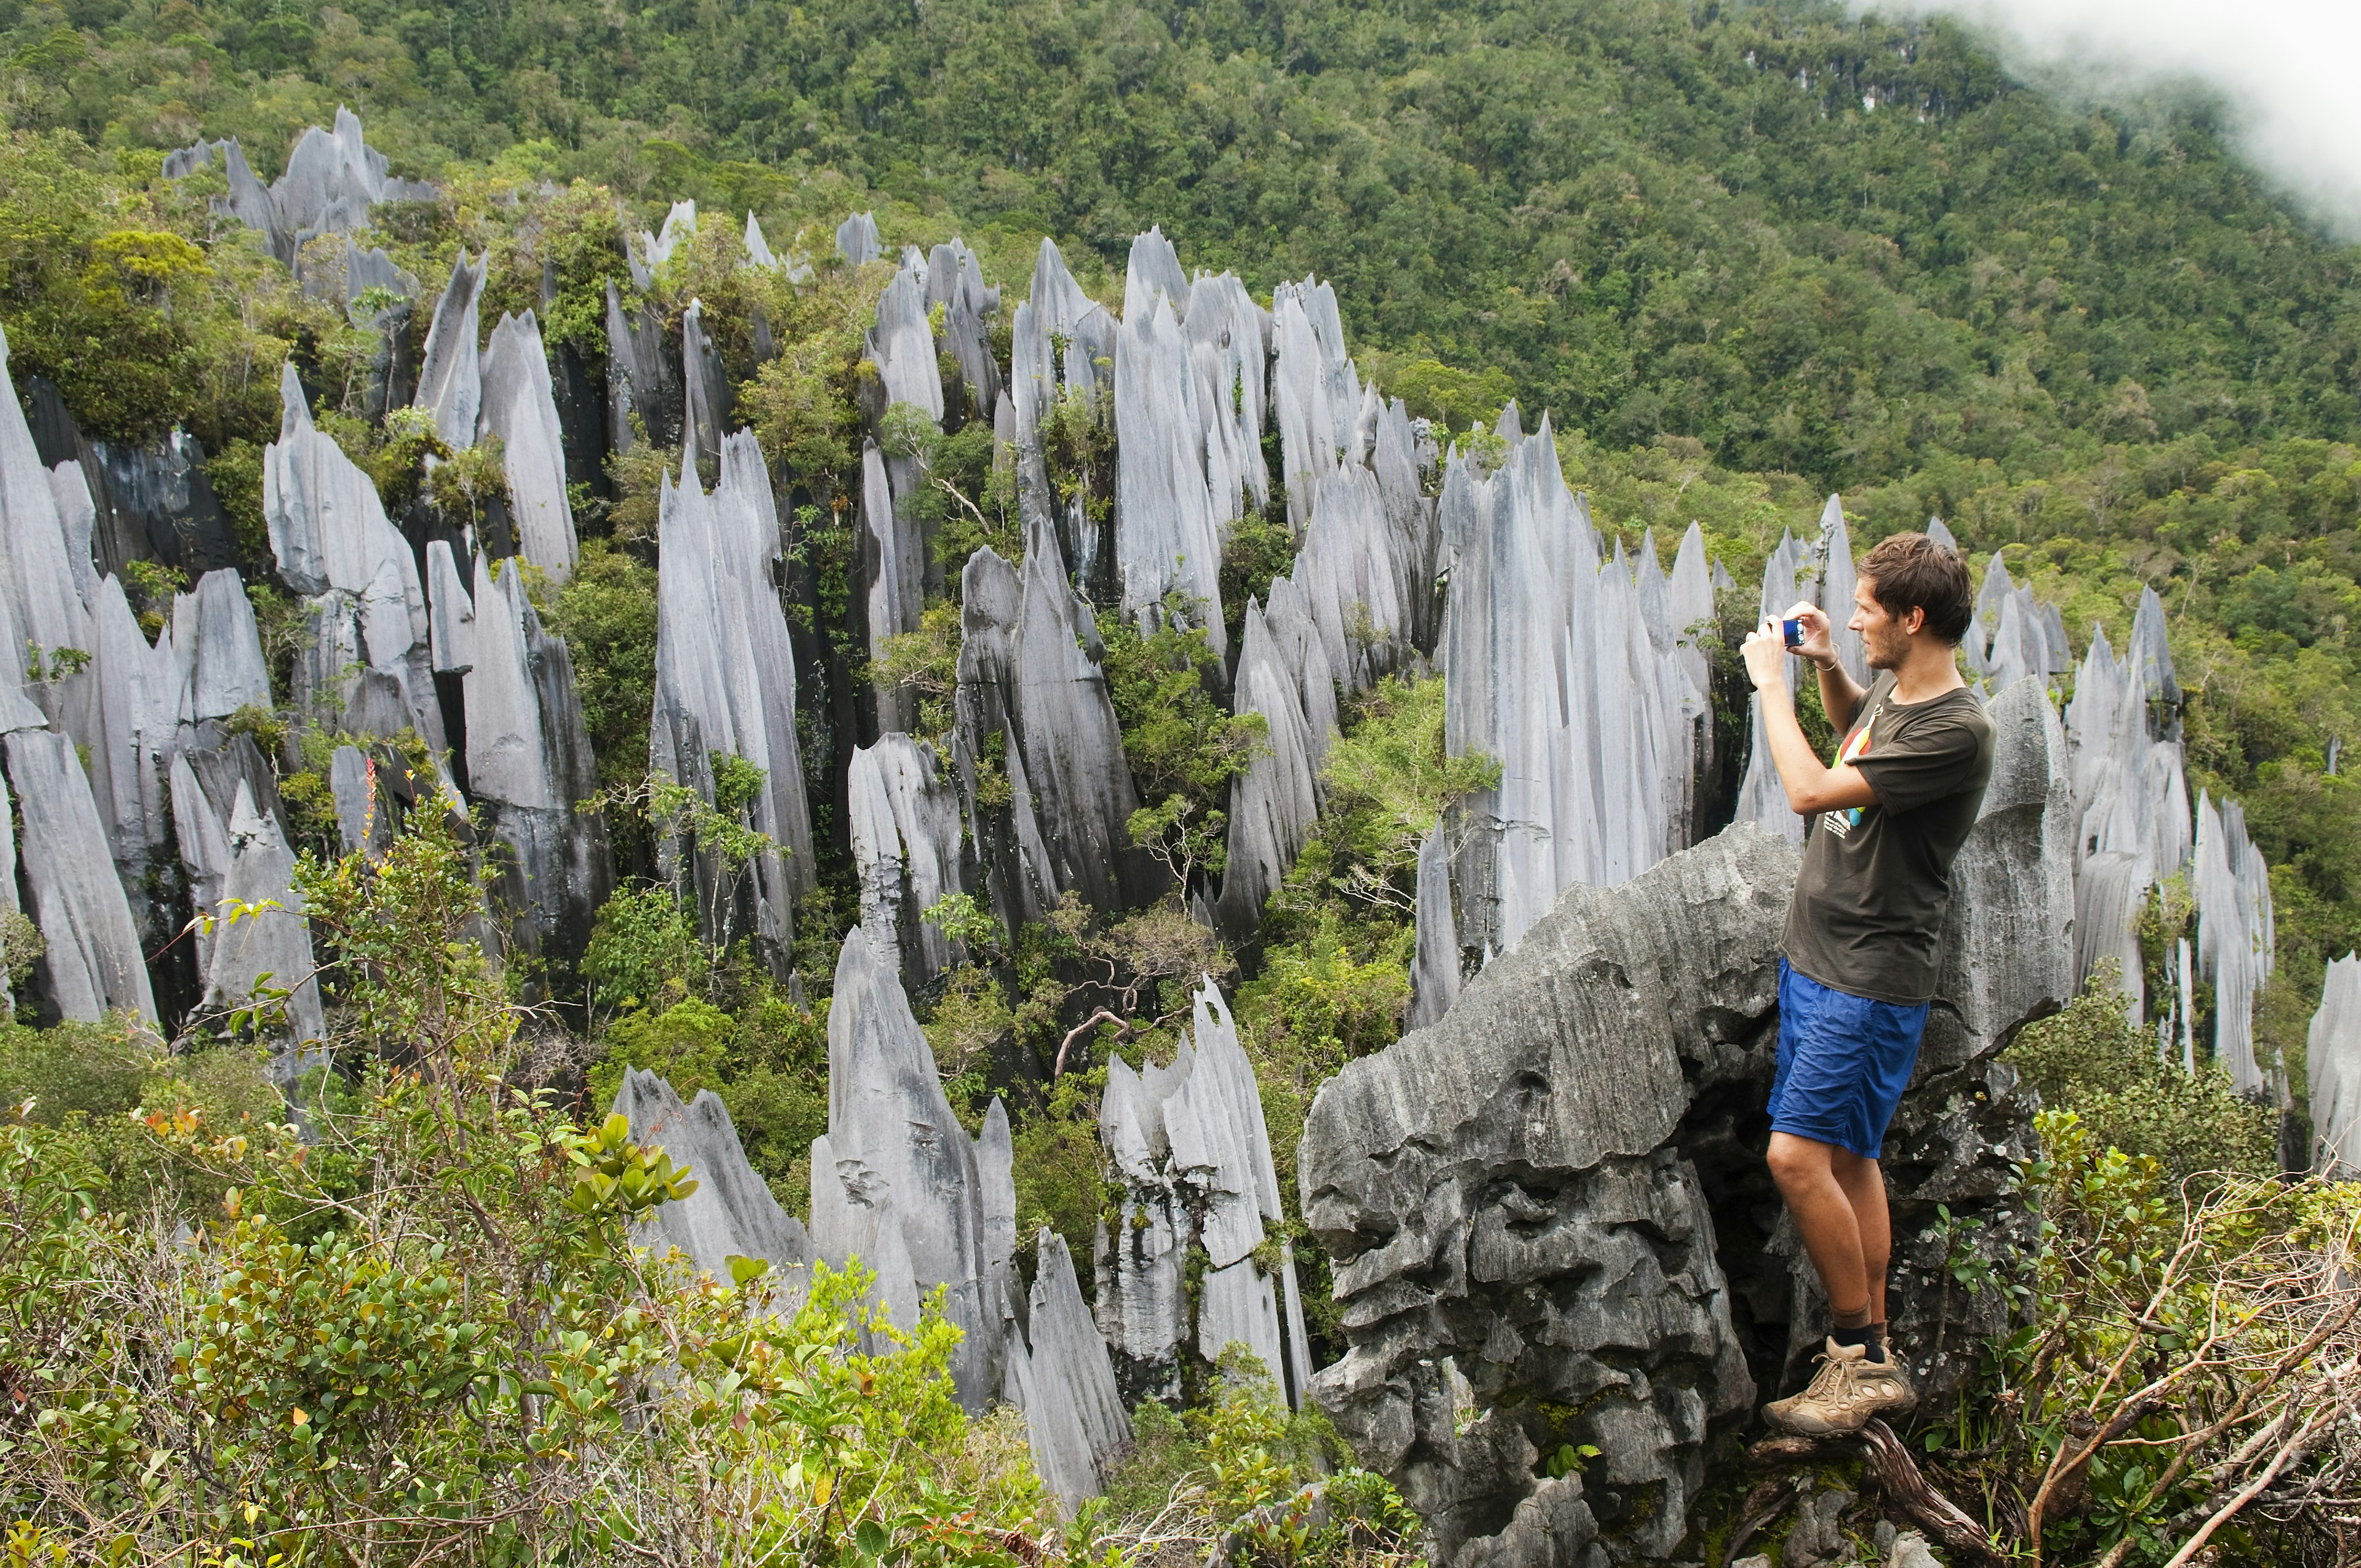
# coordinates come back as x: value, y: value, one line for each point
x: 1885, y: 637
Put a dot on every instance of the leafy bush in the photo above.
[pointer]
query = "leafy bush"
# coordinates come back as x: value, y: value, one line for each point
x: 82, y: 1083
x: 1176, y: 735
x: 607, y: 614
x: 2185, y: 1358
x: 643, y: 951
x: 2089, y: 1058
x: 425, y: 1333
x: 1241, y: 1473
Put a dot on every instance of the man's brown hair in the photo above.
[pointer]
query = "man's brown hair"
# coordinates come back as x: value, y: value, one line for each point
x: 1910, y: 571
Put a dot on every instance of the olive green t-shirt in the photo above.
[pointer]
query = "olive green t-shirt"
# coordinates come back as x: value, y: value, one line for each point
x: 1876, y: 881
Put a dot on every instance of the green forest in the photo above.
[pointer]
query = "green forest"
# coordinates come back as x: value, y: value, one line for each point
x: 1743, y: 256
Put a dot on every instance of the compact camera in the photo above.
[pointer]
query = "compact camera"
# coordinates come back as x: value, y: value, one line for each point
x: 1794, y: 633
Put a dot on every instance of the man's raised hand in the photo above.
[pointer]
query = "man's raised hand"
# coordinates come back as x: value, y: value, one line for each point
x: 1819, y: 643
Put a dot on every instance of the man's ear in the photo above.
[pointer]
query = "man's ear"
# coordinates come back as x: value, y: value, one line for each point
x: 1914, y: 620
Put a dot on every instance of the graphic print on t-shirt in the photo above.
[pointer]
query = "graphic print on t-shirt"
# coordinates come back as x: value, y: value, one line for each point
x: 1855, y: 747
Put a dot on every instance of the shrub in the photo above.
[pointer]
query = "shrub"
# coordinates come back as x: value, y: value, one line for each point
x: 2186, y: 1353
x: 1241, y: 1473
x: 445, y: 1345
x: 643, y: 950
x: 607, y: 614
x: 2089, y: 1058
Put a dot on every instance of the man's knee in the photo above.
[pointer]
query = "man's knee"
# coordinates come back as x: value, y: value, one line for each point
x: 1795, y: 1159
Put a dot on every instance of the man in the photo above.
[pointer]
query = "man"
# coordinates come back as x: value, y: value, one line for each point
x: 1858, y: 960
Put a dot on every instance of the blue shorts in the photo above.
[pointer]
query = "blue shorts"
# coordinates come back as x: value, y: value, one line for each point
x: 1844, y: 1061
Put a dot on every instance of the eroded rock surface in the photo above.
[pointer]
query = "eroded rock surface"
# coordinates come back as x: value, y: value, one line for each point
x: 519, y: 407
x: 334, y: 545
x: 93, y: 963
x: 333, y: 178
x: 732, y: 1212
x: 2131, y: 797
x: 1034, y: 711
x: 1062, y: 345
x: 905, y: 818
x: 2333, y: 1054
x: 726, y: 684
x: 450, y: 376
x: 1554, y: 673
x: 528, y: 762
x: 896, y: 1181
x: 1188, y: 1143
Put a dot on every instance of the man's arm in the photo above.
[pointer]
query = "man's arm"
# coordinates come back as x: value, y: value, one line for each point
x: 1838, y: 695
x: 1811, y: 786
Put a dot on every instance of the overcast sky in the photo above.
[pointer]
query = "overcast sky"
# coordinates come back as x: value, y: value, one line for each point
x: 2286, y: 69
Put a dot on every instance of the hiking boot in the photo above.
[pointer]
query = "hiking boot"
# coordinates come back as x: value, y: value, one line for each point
x: 1848, y: 1392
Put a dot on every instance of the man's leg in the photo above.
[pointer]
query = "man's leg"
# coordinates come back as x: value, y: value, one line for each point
x: 1865, y: 1190
x: 1832, y: 1229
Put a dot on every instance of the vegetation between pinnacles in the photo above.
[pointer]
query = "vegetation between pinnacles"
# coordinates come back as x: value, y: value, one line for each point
x: 2083, y: 337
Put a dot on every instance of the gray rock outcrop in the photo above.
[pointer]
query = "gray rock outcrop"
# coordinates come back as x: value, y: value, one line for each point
x: 2333, y: 1054
x: 955, y: 282
x: 1272, y: 804
x: 1761, y: 800
x: 901, y: 345
x: 450, y: 376
x: 1065, y: 1383
x: 1355, y: 572
x: 707, y: 404
x: 44, y: 593
x: 1554, y: 674
x: 2014, y: 634
x: 1316, y: 398
x: 219, y: 646
x: 123, y: 501
x: 893, y: 565
x: 1303, y: 653
x: 731, y: 1214
x: 2236, y: 936
x: 9, y: 909
x: 896, y: 1181
x: 644, y: 390
x: 140, y: 705
x: 857, y: 240
x: 332, y: 181
x: 2131, y: 801
x: 528, y: 762
x: 907, y: 383
x: 1554, y: 1191
x: 793, y: 267
x: 1049, y: 794
x: 1061, y: 344
x: 252, y: 947
x: 1229, y: 348
x: 335, y: 548
x: 1169, y: 525
x: 1821, y: 573
x: 519, y: 407
x: 649, y: 251
x: 450, y: 612
x: 726, y: 684
x: 93, y: 963
x: 1435, y: 969
x: 904, y: 814
x: 1189, y: 1147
